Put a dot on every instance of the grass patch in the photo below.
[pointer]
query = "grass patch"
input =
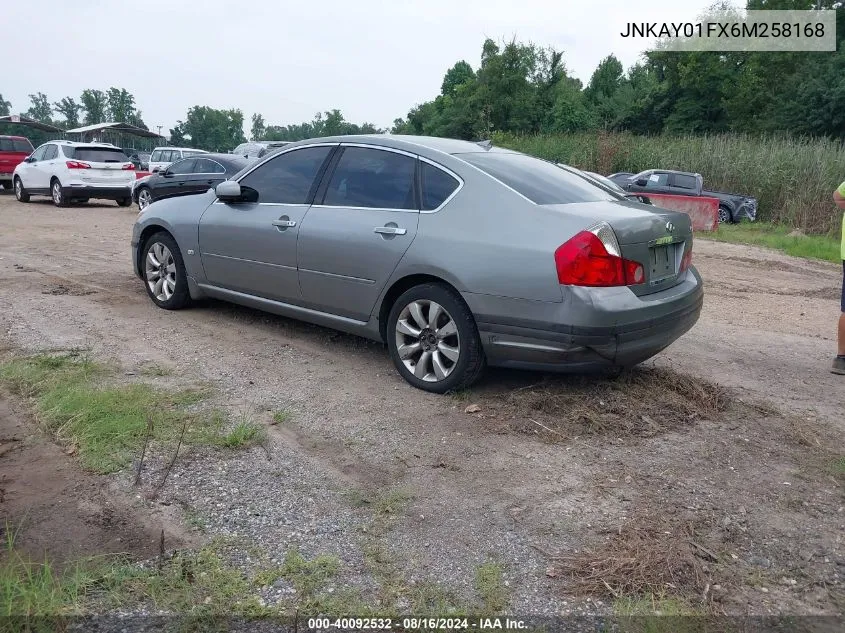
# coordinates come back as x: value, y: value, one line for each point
x: 660, y: 614
x: 491, y: 588
x: 837, y: 468
x: 106, y: 424
x: 392, y: 502
x: 155, y: 370
x: 826, y: 247
x: 244, y: 433
x: 281, y: 416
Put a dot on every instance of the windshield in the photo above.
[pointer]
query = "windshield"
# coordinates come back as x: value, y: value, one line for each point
x: 539, y: 181
x: 96, y: 154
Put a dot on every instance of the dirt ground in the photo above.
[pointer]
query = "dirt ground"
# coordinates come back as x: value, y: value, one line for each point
x: 545, y: 474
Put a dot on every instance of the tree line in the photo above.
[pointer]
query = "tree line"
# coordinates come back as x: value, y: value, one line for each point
x: 525, y: 89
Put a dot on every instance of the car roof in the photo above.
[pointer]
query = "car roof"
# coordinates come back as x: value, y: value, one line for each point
x: 14, y: 138
x: 189, y: 149
x: 406, y: 142
x: 672, y: 171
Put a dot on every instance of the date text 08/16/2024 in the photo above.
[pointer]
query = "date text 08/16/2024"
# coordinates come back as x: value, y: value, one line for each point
x: 413, y: 624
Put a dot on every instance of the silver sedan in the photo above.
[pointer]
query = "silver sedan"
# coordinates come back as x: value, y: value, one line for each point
x: 456, y: 255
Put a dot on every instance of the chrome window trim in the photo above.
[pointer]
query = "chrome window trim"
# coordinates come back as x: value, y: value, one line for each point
x: 274, y: 155
x: 375, y: 147
x: 451, y: 173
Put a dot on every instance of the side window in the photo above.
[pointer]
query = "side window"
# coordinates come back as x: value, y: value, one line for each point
x: 155, y: 156
x: 51, y: 152
x: 682, y: 181
x: 208, y: 166
x: 437, y: 185
x: 39, y: 153
x: 182, y: 166
x: 656, y: 180
x: 287, y: 179
x: 372, y: 178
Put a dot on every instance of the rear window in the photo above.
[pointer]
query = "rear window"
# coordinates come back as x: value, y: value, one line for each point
x: 96, y: 154
x: 15, y: 145
x: 539, y: 181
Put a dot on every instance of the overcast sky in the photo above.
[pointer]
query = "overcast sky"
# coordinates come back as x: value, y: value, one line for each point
x: 287, y: 59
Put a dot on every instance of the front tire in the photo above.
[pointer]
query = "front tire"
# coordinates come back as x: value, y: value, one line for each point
x: 124, y: 202
x: 20, y: 193
x: 164, y: 272
x: 57, y: 193
x: 725, y: 215
x: 433, y: 339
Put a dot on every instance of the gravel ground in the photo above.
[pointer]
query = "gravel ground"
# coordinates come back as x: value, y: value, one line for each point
x: 462, y: 490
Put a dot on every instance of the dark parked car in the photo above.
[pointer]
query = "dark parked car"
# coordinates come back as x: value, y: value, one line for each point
x: 196, y: 174
x: 732, y: 207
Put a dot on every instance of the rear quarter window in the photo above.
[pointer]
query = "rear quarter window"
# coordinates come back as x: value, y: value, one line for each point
x: 539, y: 181
x: 437, y: 185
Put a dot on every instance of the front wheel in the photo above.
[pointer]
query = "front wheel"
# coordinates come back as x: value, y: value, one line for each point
x: 164, y: 272
x: 725, y: 216
x: 58, y: 194
x: 433, y: 339
x: 20, y: 193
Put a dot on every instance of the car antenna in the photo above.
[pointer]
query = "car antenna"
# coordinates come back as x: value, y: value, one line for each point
x: 485, y: 144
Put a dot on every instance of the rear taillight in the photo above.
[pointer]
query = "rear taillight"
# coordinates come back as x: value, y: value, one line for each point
x: 129, y: 166
x: 592, y: 258
x: 686, y: 260
x: 75, y: 164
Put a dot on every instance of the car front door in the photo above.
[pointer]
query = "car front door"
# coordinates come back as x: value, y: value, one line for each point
x: 31, y: 173
x: 175, y: 179
x: 351, y: 242
x: 250, y: 247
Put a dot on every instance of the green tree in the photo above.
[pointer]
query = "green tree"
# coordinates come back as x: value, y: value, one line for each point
x: 5, y: 106
x: 40, y: 109
x: 120, y: 105
x: 210, y: 129
x: 94, y: 103
x: 69, y: 109
x: 457, y: 75
x: 258, y: 128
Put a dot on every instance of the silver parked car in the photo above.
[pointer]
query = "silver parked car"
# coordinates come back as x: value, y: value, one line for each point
x: 457, y: 255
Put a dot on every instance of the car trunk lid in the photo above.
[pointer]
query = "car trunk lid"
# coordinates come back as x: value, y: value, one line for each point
x: 102, y: 166
x: 655, y: 238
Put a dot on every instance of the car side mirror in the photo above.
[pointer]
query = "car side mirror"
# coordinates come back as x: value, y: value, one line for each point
x: 29, y: 159
x: 228, y: 191
x: 642, y: 182
x: 165, y: 174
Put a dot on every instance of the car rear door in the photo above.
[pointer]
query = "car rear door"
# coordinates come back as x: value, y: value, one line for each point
x: 206, y: 173
x: 250, y: 247
x: 351, y: 242
x: 46, y: 168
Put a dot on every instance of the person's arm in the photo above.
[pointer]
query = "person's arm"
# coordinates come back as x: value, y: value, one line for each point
x: 839, y: 196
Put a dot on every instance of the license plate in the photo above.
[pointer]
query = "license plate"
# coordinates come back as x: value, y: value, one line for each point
x: 662, y: 262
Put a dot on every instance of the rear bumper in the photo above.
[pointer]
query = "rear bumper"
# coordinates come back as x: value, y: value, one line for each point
x: 75, y: 192
x: 593, y: 329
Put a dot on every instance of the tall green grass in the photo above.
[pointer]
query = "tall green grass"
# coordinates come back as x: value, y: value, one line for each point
x: 792, y: 178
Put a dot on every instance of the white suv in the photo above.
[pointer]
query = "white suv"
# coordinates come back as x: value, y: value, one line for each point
x: 162, y: 157
x: 69, y: 171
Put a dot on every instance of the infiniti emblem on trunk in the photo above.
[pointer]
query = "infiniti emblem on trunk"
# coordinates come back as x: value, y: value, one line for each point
x: 670, y: 227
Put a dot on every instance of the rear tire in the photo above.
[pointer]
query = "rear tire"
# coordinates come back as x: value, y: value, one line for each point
x: 20, y: 193
x: 163, y: 271
x: 57, y: 193
x: 124, y: 202
x: 433, y: 339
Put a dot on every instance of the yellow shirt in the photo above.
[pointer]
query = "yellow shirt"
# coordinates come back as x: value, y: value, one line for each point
x: 841, y: 191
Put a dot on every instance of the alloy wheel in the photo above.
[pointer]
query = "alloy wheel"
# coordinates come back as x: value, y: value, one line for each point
x: 427, y: 340
x: 57, y: 193
x: 160, y: 271
x: 145, y: 198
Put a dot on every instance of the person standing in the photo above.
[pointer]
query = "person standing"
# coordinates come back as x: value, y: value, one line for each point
x: 839, y: 361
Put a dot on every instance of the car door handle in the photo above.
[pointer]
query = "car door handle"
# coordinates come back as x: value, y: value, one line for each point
x: 284, y: 223
x: 390, y: 230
